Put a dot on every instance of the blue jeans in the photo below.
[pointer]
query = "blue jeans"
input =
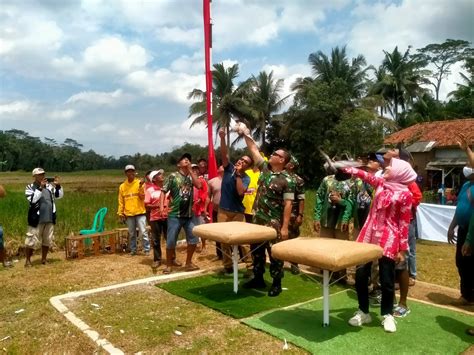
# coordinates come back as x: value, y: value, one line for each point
x: 134, y: 223
x: 174, y: 227
x: 412, y: 249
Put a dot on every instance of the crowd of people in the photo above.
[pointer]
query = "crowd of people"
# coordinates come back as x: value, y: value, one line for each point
x: 378, y: 199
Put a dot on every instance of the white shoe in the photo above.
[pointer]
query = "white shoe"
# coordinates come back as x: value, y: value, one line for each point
x: 389, y: 323
x: 360, y: 318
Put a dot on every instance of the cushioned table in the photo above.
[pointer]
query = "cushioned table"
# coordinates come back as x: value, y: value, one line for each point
x: 327, y: 254
x: 235, y: 234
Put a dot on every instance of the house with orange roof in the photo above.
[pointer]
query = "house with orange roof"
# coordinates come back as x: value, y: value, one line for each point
x: 436, y: 154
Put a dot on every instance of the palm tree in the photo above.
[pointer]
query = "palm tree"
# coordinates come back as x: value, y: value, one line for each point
x: 338, y: 67
x: 400, y: 81
x: 228, y: 101
x: 265, y: 102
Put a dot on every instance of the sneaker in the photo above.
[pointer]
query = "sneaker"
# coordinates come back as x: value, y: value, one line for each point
x: 255, y: 283
x: 146, y: 253
x: 389, y: 323
x: 7, y: 264
x: 133, y: 253
x: 411, y: 282
x: 175, y: 263
x: 375, y: 298
x: 167, y: 270
x: 360, y: 318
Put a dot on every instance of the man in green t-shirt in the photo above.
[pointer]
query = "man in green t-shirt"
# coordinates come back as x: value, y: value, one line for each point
x: 180, y: 185
x: 273, y: 203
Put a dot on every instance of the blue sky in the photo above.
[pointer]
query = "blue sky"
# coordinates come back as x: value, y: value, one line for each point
x: 114, y: 74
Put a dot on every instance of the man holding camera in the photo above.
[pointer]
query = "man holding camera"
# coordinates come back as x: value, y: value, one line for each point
x: 41, y: 195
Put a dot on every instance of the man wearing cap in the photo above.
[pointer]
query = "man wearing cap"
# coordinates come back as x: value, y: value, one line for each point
x: 41, y: 195
x: 131, y: 209
x: 180, y: 185
x: 158, y: 221
x: 297, y: 209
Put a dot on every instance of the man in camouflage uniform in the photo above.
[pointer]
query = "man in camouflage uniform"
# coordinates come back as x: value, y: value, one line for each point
x: 297, y: 209
x: 333, y: 208
x: 276, y: 190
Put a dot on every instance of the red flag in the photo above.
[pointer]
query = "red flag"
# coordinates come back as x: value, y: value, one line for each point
x: 212, y: 166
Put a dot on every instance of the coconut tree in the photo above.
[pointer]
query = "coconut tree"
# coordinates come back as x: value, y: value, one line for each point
x: 399, y: 81
x: 337, y: 66
x: 264, y: 94
x: 228, y: 99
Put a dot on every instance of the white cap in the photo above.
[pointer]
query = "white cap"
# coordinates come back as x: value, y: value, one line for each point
x: 194, y: 166
x: 37, y: 171
x: 129, y: 167
x: 154, y: 173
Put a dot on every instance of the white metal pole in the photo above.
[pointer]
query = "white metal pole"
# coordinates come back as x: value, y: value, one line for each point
x: 235, y: 261
x: 325, y: 298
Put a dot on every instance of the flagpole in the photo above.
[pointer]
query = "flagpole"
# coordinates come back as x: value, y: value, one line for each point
x: 212, y: 166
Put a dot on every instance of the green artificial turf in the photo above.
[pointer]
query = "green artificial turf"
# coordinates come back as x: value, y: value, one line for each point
x: 216, y: 291
x: 426, y: 330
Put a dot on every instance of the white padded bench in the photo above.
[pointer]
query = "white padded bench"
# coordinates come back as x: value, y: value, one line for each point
x: 326, y: 254
x: 235, y: 234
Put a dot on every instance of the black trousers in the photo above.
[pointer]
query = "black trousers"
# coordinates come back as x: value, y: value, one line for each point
x: 387, y: 285
x: 158, y: 227
x: 465, y: 265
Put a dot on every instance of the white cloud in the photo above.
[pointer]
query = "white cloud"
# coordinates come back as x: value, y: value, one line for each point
x: 98, y: 98
x: 190, y: 37
x: 62, y: 115
x: 165, y: 83
x: 16, y: 107
x: 189, y: 64
x: 114, y: 55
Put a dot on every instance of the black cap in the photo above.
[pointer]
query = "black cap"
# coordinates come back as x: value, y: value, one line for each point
x: 185, y: 155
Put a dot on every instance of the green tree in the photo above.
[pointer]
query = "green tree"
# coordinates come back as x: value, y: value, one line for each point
x: 265, y: 101
x: 228, y: 100
x: 442, y: 56
x: 328, y: 69
x: 400, y: 82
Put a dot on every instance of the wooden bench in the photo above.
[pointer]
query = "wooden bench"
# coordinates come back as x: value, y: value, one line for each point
x: 104, y: 242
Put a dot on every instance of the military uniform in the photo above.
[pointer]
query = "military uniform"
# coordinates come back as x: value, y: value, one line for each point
x: 294, y: 228
x: 273, y: 189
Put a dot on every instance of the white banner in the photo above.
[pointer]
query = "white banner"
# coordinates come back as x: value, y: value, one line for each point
x: 433, y: 221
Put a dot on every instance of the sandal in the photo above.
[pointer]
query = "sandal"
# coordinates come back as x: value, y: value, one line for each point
x: 191, y: 267
x: 400, y: 311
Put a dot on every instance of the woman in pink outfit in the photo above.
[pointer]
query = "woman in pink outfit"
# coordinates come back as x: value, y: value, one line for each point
x: 386, y: 226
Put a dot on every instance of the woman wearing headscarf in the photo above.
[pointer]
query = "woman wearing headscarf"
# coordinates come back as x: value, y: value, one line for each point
x: 386, y: 226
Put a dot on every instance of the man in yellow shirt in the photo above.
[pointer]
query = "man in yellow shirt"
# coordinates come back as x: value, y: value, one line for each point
x: 131, y: 209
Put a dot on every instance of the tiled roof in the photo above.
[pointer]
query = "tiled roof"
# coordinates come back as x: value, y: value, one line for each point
x: 444, y: 133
